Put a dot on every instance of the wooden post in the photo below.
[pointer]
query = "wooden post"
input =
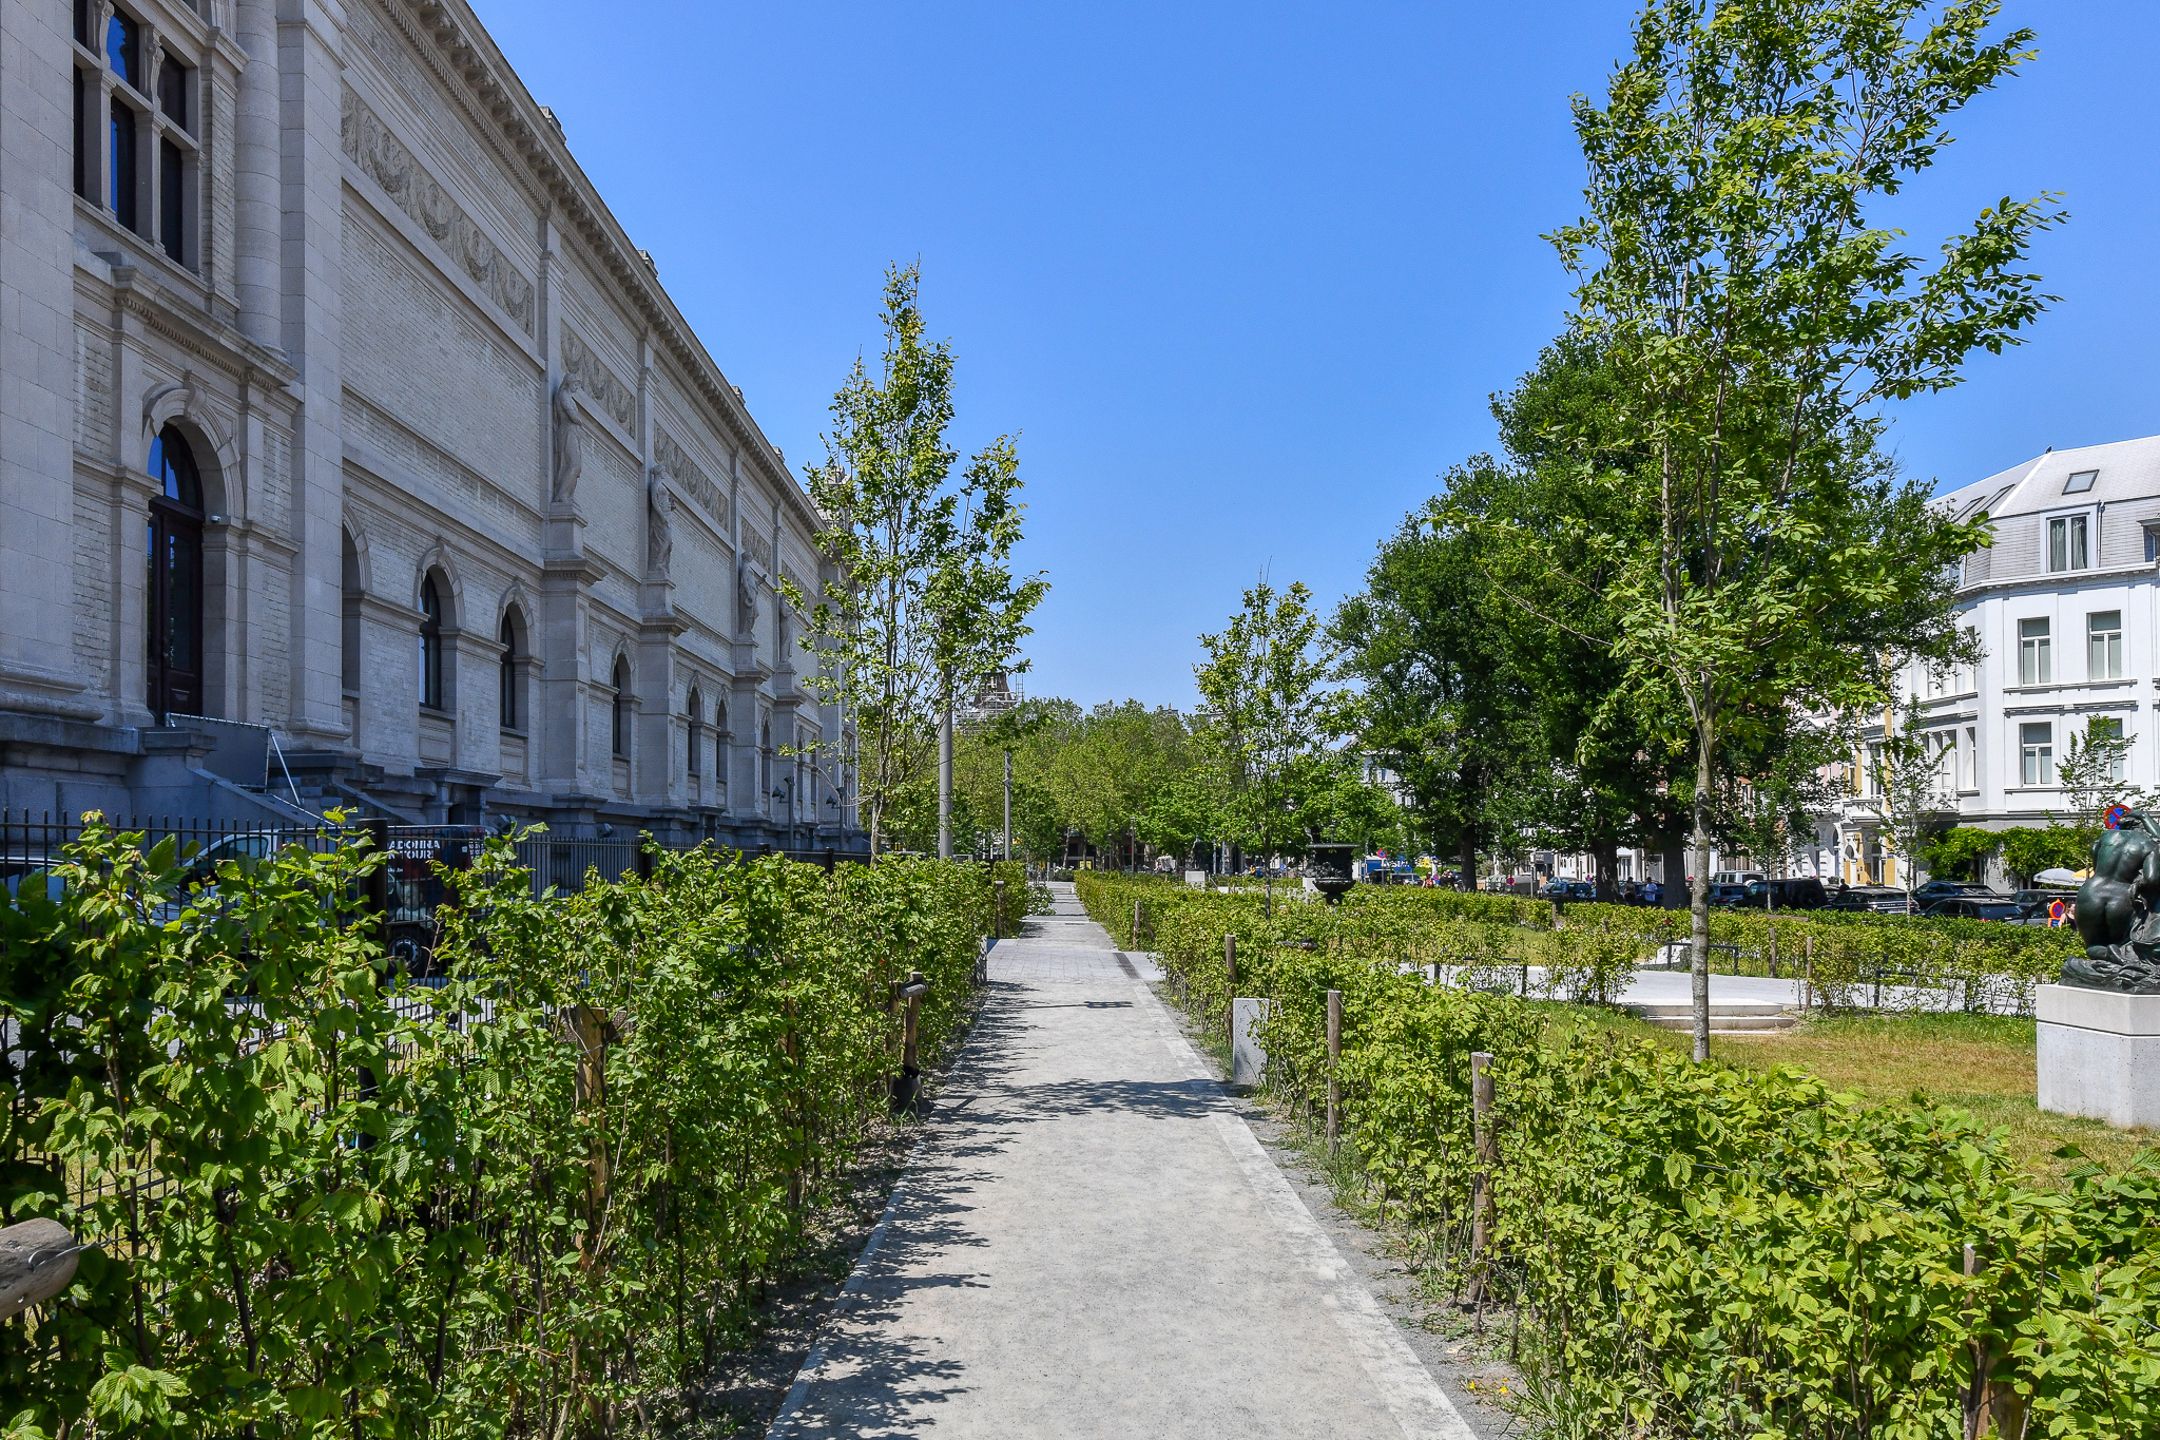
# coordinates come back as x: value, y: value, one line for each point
x: 1487, y: 1146
x: 1135, y: 926
x: 1989, y: 1408
x: 1807, y: 977
x: 1229, y: 965
x: 903, y: 1093
x: 37, y: 1262
x: 1334, y: 1067
x: 588, y: 1029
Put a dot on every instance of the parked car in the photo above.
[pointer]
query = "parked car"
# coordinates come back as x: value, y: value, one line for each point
x: 1936, y: 890
x: 1795, y: 892
x: 1728, y: 893
x: 1972, y: 907
x: 1875, y: 899
x: 2034, y: 902
x: 1582, y: 889
x: 1736, y: 877
x: 1553, y: 889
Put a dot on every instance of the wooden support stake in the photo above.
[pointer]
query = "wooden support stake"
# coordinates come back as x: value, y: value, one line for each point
x: 37, y: 1262
x: 1135, y: 926
x: 1989, y: 1408
x: 1334, y: 1068
x: 588, y: 1029
x: 1807, y: 978
x: 1229, y: 965
x: 904, y: 1085
x: 1487, y: 1145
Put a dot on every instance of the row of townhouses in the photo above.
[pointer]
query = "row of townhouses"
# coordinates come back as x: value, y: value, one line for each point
x: 351, y: 453
x: 2066, y: 605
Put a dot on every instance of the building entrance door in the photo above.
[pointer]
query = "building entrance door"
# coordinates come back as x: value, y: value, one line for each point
x: 173, y: 585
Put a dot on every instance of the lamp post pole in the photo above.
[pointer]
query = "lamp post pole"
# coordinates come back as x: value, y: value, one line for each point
x: 1008, y: 804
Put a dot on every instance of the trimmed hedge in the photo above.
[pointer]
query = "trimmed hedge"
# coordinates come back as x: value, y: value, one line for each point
x: 1696, y: 1250
x: 328, y: 1201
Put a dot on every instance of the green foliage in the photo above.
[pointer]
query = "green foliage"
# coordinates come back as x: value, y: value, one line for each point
x: 2029, y: 849
x: 325, y: 1200
x: 1960, y: 851
x: 1697, y: 1250
x: 925, y: 603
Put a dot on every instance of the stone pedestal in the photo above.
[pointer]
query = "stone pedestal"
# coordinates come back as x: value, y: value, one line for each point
x: 2099, y: 1054
x: 1247, y: 1059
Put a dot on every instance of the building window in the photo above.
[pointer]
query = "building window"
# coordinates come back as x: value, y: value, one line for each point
x: 511, y: 681
x: 2081, y: 482
x: 619, y: 712
x: 173, y: 588
x: 2069, y: 543
x: 1871, y: 777
x: 349, y: 614
x: 2108, y: 730
x: 1969, y: 760
x: 121, y: 161
x: 2035, y: 665
x: 2104, y: 645
x: 2036, y: 753
x: 694, y: 761
x: 145, y: 100
x: 431, y: 646
x: 765, y: 782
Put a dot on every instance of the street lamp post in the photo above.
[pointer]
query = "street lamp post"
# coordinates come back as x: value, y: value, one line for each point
x: 787, y: 797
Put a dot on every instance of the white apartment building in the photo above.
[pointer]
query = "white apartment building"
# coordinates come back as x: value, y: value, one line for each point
x: 2067, y: 610
x: 337, y: 410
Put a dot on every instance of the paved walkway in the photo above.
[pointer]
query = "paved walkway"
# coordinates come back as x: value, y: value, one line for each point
x: 1090, y: 1242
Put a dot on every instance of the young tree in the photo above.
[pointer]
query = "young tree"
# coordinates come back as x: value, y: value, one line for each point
x: 925, y: 602
x: 2091, y: 771
x: 1268, y: 709
x: 1911, y: 790
x: 1756, y: 315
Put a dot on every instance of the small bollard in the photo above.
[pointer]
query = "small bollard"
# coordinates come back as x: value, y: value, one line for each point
x: 906, y: 1083
x: 1334, y: 1067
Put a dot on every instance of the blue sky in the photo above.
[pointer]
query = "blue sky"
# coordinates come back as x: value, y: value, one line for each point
x: 1242, y: 276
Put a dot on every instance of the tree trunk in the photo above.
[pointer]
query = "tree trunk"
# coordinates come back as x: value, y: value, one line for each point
x: 1605, y: 862
x: 1675, y: 856
x: 1699, y: 898
x: 1469, y: 858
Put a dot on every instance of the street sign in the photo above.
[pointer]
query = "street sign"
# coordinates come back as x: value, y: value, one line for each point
x: 2115, y: 816
x: 2058, y: 914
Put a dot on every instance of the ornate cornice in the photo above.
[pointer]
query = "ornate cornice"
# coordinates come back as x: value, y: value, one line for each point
x: 450, y: 39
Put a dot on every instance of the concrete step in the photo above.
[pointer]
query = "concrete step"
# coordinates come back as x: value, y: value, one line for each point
x: 1726, y: 1024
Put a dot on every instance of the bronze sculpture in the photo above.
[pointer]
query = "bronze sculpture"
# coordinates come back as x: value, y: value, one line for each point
x: 2118, y: 912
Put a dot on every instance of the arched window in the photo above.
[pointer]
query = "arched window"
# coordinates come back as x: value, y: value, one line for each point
x: 173, y: 588
x: 619, y: 719
x: 431, y: 646
x: 349, y: 614
x: 695, y: 760
x: 765, y: 752
x: 511, y: 699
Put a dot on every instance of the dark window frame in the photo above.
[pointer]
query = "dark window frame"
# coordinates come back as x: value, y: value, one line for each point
x: 431, y: 644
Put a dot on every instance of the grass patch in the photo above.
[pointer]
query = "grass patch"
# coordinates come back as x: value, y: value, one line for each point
x: 1982, y: 1064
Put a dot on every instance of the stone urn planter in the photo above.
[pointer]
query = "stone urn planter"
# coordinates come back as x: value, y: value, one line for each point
x: 1334, y: 869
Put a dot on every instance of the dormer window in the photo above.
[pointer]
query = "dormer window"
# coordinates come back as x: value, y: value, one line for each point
x: 2081, y: 482
x: 2069, y: 543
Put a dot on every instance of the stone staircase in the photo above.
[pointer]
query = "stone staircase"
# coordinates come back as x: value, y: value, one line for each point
x: 1727, y: 1017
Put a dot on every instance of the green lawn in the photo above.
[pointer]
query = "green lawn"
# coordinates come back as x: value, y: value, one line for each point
x: 1983, y: 1064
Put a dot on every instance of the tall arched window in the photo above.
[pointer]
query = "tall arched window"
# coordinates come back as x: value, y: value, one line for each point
x: 511, y: 699
x: 173, y: 588
x: 431, y: 644
x: 349, y: 614
x: 619, y: 719
x: 695, y: 761
x: 765, y: 752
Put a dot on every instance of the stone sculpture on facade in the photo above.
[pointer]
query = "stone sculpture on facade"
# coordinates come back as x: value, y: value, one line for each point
x: 2116, y: 912
x: 569, y: 442
x: 659, y: 524
x: 749, y: 583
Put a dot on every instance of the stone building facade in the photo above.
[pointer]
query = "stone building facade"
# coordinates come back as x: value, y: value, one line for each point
x: 336, y: 407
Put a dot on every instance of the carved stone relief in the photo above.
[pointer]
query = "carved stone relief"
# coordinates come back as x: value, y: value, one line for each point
x: 599, y: 382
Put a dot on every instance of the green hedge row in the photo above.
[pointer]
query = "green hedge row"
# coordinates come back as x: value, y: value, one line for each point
x: 1699, y: 1250
x: 323, y: 1200
x: 1877, y: 961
